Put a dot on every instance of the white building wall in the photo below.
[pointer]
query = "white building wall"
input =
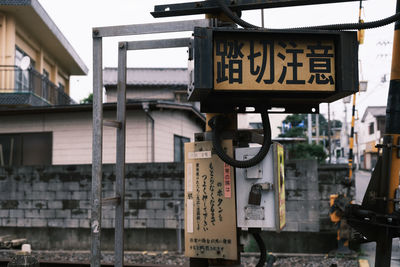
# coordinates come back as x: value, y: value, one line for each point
x: 168, y: 124
x: 364, y: 136
x: 72, y: 134
x: 275, y: 120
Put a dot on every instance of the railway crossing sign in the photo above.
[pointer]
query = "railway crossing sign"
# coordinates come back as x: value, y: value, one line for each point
x: 297, y: 71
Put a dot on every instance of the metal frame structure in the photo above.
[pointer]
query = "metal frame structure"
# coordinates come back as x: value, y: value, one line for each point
x: 120, y: 122
x: 202, y: 7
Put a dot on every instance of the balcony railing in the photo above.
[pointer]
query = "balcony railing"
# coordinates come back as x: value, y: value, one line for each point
x: 18, y: 81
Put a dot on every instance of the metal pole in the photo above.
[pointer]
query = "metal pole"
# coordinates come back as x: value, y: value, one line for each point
x: 120, y: 160
x: 97, y: 149
x: 346, y: 126
x: 329, y: 133
x: 353, y: 114
x: 178, y: 215
x: 317, y: 128
x: 309, y: 130
x: 262, y: 18
x: 391, y: 156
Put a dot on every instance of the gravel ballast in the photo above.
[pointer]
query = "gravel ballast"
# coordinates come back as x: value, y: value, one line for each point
x: 172, y: 258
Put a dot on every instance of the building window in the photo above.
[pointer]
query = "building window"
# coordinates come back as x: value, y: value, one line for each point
x: 371, y: 128
x: 179, y: 148
x: 22, y: 78
x: 24, y: 149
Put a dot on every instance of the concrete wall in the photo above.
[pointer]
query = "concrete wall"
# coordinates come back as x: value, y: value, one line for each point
x: 302, y: 196
x: 55, y: 199
x: 51, y: 205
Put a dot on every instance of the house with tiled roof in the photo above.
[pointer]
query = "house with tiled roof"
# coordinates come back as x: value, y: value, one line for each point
x: 158, y: 122
x: 149, y: 83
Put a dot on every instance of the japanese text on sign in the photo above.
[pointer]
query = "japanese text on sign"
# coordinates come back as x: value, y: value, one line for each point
x: 274, y: 64
x: 209, y: 214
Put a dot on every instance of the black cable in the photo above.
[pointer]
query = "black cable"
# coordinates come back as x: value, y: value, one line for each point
x: 219, y: 122
x: 233, y: 16
x: 262, y: 248
x: 337, y: 27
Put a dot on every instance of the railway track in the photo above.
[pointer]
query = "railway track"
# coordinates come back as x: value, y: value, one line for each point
x: 4, y: 262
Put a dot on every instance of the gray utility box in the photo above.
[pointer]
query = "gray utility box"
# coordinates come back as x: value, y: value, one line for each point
x: 260, y: 190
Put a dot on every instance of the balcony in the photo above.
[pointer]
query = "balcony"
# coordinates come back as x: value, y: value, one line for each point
x: 29, y: 88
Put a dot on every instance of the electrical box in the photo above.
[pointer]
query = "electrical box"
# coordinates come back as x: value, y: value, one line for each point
x: 292, y: 70
x: 261, y: 201
x: 210, y: 203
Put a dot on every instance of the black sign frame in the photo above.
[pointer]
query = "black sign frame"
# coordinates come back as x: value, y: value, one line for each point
x: 202, y: 89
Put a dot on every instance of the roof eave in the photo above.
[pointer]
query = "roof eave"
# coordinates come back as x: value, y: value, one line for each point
x: 73, y: 64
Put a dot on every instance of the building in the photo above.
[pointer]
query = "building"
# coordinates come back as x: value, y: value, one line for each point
x: 159, y: 121
x: 149, y: 83
x: 36, y: 60
x: 253, y: 121
x: 59, y: 135
x: 370, y: 133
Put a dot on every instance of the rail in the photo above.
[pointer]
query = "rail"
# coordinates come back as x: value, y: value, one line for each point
x: 4, y: 262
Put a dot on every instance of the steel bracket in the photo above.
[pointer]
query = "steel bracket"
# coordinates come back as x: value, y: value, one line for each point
x: 204, y: 7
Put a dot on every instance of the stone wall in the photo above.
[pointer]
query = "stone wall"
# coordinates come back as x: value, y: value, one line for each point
x: 302, y: 196
x: 51, y: 205
x: 308, y: 189
x: 58, y: 197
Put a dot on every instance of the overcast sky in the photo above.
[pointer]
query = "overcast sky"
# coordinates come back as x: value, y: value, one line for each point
x: 76, y: 18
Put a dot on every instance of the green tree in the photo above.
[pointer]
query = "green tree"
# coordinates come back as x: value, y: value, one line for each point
x: 88, y: 99
x: 307, y: 151
x: 296, y: 126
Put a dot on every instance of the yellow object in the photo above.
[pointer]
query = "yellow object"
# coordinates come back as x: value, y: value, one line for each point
x: 274, y: 76
x: 395, y: 72
x: 334, y: 217
x: 281, y: 187
x: 361, y: 34
x: 363, y: 263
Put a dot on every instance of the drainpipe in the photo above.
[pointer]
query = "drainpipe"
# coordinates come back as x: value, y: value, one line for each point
x: 146, y: 107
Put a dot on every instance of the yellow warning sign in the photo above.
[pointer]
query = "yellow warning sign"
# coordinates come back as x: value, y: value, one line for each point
x: 274, y: 64
x: 280, y: 191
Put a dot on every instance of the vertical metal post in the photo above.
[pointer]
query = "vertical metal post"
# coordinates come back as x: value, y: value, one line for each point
x: 97, y: 150
x: 329, y: 133
x: 351, y: 145
x: 178, y: 215
x: 317, y: 128
x: 120, y: 160
x: 262, y: 18
x: 309, y: 128
x: 390, y: 160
